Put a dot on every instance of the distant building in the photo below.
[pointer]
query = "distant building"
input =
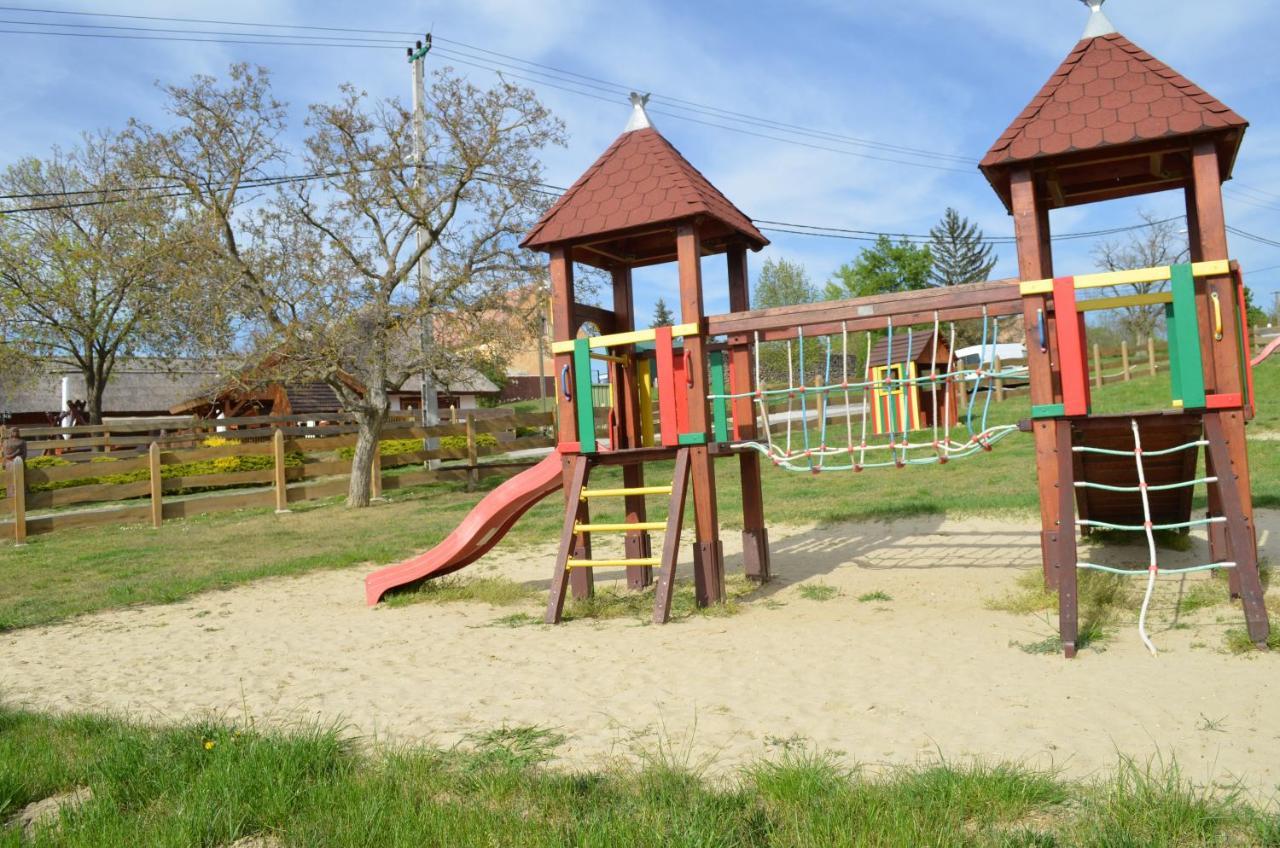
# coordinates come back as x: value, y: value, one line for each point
x: 138, y: 388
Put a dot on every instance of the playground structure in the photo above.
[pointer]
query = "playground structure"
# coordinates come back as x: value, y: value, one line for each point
x: 1112, y: 122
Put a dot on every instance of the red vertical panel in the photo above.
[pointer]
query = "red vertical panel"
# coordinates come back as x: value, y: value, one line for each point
x: 664, y: 354
x: 680, y: 375
x: 1071, y: 353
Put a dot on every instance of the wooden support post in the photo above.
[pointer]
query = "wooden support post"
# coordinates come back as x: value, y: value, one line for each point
x: 1065, y: 547
x: 157, y: 484
x: 1097, y: 366
x: 1124, y: 359
x: 18, y: 496
x: 563, y: 329
x: 671, y: 541
x: 1234, y: 494
x: 625, y: 379
x: 1035, y: 262
x: 473, y: 455
x: 1222, y: 364
x: 1151, y: 355
x: 375, y: 472
x: 708, y: 555
x: 281, y: 478
x: 755, y: 534
x: 577, y: 469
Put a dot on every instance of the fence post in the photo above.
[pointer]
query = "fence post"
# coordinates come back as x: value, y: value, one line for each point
x: 1124, y: 359
x: 1151, y: 355
x: 157, y: 484
x: 1097, y: 366
x: 18, y: 491
x: 473, y: 473
x: 281, y: 478
x: 999, y: 382
x: 375, y: 472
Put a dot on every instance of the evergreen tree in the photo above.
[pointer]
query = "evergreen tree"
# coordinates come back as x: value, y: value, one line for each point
x: 662, y: 316
x: 887, y: 267
x: 959, y: 252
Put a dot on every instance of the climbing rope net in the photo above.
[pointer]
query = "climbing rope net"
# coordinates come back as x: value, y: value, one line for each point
x: 804, y: 442
x: 1147, y: 527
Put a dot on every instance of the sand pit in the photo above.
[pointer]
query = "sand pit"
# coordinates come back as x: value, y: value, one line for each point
x: 931, y: 672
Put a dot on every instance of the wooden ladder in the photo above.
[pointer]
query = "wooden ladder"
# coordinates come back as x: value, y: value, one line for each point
x: 574, y: 529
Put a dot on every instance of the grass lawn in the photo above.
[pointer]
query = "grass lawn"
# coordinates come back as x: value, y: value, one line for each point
x: 215, y: 783
x: 67, y: 573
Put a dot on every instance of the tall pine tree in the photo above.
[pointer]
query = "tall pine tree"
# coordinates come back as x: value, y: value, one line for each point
x: 662, y: 316
x: 960, y: 254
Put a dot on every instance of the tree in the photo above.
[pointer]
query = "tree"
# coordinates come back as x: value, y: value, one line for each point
x: 323, y: 270
x: 96, y: 265
x: 662, y: 316
x: 887, y: 267
x: 1157, y: 244
x: 781, y: 283
x: 960, y: 254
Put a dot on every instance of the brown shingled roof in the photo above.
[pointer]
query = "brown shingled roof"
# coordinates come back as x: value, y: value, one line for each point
x: 1109, y: 92
x: 640, y: 181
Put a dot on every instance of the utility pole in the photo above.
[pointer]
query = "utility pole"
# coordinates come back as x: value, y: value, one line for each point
x: 430, y: 400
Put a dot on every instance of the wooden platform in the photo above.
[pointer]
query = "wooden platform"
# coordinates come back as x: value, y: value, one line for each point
x: 1159, y: 431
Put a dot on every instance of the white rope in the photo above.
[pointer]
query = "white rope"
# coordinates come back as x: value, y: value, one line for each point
x: 933, y: 384
x: 1153, y: 566
x: 867, y: 397
x: 844, y: 370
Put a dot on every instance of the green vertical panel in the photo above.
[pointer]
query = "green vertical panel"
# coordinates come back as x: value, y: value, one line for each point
x: 720, y: 406
x: 582, y: 388
x: 1191, y: 366
x: 1171, y: 330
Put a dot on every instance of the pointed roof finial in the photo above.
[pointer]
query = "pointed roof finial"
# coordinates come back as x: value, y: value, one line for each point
x: 1099, y: 23
x: 639, y: 117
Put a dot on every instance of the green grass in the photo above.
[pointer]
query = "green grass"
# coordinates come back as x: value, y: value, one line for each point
x: 871, y: 597
x: 818, y: 591
x: 215, y: 782
x: 495, y: 591
x: 71, y: 572
x: 611, y: 603
x: 1237, y: 641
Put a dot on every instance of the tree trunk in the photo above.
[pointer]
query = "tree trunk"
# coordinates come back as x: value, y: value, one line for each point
x: 370, y: 419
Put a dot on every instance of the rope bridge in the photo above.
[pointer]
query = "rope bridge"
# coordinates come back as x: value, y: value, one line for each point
x: 1147, y: 527
x: 812, y: 450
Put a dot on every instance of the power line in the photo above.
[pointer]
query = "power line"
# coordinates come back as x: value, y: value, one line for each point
x: 526, y: 66
x: 202, y: 21
x: 195, y: 40
x: 1253, y: 236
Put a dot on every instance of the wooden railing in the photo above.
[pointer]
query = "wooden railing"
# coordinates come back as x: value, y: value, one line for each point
x: 270, y: 462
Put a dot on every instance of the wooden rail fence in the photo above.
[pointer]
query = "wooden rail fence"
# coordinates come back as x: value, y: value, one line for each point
x: 290, y: 462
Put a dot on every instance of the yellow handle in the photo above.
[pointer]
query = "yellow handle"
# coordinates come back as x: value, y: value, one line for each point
x: 1217, y: 317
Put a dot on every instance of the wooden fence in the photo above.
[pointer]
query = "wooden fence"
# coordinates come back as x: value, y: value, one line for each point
x: 266, y: 462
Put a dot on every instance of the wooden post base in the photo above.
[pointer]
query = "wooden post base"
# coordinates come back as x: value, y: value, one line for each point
x: 755, y: 555
x: 639, y: 546
x: 708, y: 573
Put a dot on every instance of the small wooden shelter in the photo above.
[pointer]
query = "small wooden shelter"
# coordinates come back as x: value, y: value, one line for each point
x: 909, y: 390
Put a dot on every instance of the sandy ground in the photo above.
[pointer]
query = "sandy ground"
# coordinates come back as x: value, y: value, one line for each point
x: 932, y: 672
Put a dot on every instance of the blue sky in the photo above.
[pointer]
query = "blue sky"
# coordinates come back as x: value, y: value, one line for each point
x: 944, y: 76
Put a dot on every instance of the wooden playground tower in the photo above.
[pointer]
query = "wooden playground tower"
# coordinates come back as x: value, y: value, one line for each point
x: 1112, y: 122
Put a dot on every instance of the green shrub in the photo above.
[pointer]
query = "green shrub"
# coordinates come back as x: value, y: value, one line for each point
x: 47, y: 462
x: 483, y: 440
x: 219, y: 465
x: 390, y: 447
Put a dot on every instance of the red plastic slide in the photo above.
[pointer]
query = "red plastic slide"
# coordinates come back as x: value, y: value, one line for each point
x: 1266, y: 353
x: 483, y: 527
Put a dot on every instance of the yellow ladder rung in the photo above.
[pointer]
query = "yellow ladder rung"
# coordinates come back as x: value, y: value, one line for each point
x: 622, y: 493
x: 619, y: 528
x: 646, y: 562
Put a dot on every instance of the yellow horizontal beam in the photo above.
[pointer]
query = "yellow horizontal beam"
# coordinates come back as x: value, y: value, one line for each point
x: 1128, y: 300
x: 619, y: 528
x: 644, y: 562
x: 1220, y: 268
x: 622, y: 493
x: 619, y: 339
x: 608, y: 357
